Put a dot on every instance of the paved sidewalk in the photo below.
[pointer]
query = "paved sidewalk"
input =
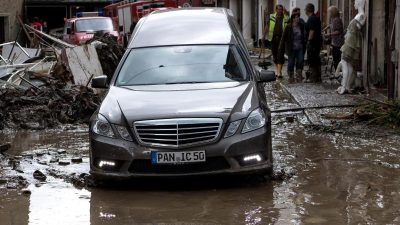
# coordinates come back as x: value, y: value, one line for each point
x: 315, y: 99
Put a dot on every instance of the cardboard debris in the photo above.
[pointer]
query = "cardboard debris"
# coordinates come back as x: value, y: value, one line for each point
x: 83, y: 63
x: 17, y: 54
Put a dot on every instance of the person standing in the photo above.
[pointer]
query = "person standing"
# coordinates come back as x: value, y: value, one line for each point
x: 314, y: 40
x: 336, y: 34
x: 274, y: 29
x: 293, y: 44
x: 36, y: 24
x: 45, y: 27
x: 298, y: 11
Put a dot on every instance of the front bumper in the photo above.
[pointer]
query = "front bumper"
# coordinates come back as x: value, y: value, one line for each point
x: 222, y: 157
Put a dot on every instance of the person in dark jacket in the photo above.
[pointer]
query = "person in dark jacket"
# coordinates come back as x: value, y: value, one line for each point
x: 314, y: 41
x: 293, y: 43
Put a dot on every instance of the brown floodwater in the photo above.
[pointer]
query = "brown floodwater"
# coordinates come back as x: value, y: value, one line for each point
x: 330, y: 179
x: 336, y: 180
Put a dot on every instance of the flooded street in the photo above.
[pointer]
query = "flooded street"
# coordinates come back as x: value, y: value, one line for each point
x: 320, y: 178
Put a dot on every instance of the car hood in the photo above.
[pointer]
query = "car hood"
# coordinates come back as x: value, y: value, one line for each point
x: 230, y: 100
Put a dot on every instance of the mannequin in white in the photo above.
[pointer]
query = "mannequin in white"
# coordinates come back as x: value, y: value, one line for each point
x: 351, y: 48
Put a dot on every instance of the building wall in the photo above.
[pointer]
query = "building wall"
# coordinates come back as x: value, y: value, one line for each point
x: 397, y: 53
x: 285, y: 3
x: 377, y: 42
x: 247, y: 20
x: 9, y: 10
x: 223, y: 3
x: 263, y: 12
x: 233, y: 5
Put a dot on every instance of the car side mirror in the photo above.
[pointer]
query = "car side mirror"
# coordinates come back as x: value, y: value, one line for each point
x: 68, y: 30
x: 266, y: 76
x: 100, y: 82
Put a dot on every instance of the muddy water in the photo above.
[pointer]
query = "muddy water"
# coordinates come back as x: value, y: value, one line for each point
x: 337, y: 180
x: 333, y: 179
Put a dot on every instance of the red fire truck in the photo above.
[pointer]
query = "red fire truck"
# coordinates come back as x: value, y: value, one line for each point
x: 125, y: 12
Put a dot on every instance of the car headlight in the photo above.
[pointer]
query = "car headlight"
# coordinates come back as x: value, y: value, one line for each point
x: 124, y: 133
x: 232, y: 128
x: 102, y: 127
x: 255, y: 121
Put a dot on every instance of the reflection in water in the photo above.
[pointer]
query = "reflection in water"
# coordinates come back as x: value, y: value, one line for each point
x: 13, y: 208
x: 219, y: 206
x: 58, y: 203
x: 23, y: 140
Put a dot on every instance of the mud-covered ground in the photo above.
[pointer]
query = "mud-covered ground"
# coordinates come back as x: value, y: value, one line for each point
x: 320, y: 178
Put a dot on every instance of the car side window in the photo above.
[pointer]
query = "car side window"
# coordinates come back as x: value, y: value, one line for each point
x: 234, y: 67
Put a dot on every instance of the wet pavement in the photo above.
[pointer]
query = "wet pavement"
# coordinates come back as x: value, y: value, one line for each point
x: 326, y: 178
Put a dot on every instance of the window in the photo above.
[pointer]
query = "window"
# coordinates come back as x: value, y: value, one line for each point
x: 101, y: 24
x: 182, y: 64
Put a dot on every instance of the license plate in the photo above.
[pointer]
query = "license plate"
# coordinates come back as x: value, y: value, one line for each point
x: 177, y: 157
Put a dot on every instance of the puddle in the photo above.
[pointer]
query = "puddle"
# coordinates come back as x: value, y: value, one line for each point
x: 57, y: 202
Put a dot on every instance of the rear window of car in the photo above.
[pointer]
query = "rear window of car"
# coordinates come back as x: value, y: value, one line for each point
x: 182, y: 64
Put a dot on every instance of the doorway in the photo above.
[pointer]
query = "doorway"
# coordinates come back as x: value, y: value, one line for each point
x: 2, y: 29
x: 53, y: 15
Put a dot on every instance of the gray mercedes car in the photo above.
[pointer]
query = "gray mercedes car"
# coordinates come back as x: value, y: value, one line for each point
x: 185, y: 100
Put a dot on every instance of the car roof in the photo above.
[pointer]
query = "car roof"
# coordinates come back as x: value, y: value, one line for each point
x: 87, y: 18
x: 185, y: 26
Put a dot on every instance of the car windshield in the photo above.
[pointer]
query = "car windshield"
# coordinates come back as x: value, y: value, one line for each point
x: 182, y: 64
x: 92, y: 25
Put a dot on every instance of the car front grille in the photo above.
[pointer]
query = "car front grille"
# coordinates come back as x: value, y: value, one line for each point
x: 177, y: 133
x: 212, y: 164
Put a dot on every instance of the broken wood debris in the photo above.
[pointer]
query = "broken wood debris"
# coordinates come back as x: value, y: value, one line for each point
x: 46, y: 86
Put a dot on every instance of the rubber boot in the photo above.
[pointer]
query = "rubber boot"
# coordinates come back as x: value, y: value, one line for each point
x: 291, y: 76
x: 279, y: 70
x: 299, y: 76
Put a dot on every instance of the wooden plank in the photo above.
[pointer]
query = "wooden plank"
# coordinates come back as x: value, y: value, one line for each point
x: 53, y: 39
x: 23, y: 27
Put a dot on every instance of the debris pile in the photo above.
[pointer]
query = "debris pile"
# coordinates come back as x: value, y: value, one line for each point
x: 19, y: 171
x: 108, y: 51
x: 48, y: 106
x: 45, y: 86
x: 372, y: 112
x: 380, y: 113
